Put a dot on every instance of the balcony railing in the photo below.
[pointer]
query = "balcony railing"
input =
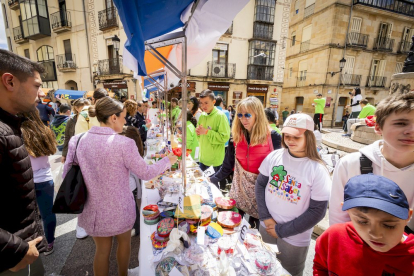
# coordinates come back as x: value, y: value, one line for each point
x: 14, y: 4
x: 304, y: 46
x: 383, y: 44
x: 309, y: 10
x: 230, y: 29
x: 221, y: 70
x: 376, y: 81
x: 301, y: 81
x: 18, y: 35
x: 262, y: 30
x: 350, y: 79
x: 66, y: 62
x: 108, y: 19
x: 255, y: 72
x: 357, y: 39
x: 404, y: 47
x: 404, y: 7
x: 61, y: 21
x: 110, y: 66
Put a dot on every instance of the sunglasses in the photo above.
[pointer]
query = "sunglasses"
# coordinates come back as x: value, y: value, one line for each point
x: 246, y: 115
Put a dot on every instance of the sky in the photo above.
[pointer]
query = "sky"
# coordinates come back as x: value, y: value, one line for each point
x: 3, y: 39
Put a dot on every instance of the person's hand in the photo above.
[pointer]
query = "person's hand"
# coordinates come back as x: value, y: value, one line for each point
x: 272, y: 232
x: 313, y: 104
x: 269, y: 222
x: 347, y: 106
x: 270, y: 227
x: 173, y: 158
x: 31, y: 255
x: 200, y: 130
x: 63, y: 159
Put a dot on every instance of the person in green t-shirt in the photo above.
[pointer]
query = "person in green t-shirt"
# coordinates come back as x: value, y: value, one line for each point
x: 271, y: 118
x: 367, y: 109
x: 175, y: 111
x: 319, y: 104
x: 285, y: 114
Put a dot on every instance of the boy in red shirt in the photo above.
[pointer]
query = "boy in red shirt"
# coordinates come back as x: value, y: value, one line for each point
x: 374, y: 242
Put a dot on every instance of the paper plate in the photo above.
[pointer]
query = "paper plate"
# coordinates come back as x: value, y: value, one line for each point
x: 225, y: 203
x: 214, y: 230
x: 206, y: 212
x: 165, y: 226
x: 229, y: 219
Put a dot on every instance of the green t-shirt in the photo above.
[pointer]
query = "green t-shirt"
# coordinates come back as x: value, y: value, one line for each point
x: 368, y: 110
x: 285, y: 114
x: 274, y: 127
x: 320, y: 105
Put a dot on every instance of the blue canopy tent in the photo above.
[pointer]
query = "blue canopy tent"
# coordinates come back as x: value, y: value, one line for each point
x: 69, y: 94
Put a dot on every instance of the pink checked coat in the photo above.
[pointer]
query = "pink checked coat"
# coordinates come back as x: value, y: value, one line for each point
x: 105, y: 159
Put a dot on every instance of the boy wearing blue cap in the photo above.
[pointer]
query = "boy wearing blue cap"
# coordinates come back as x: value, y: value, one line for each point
x: 374, y: 242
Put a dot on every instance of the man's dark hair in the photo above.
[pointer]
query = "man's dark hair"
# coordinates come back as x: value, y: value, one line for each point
x: 154, y: 103
x: 320, y: 95
x: 364, y: 101
x: 64, y: 108
x: 123, y: 97
x: 270, y: 116
x: 219, y: 100
x: 21, y: 67
x: 144, y: 101
x: 207, y: 93
x: 174, y: 100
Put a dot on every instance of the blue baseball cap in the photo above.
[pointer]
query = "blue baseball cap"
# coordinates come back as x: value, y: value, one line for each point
x: 378, y: 192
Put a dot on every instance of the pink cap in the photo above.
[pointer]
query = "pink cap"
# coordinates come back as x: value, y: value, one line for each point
x: 297, y: 124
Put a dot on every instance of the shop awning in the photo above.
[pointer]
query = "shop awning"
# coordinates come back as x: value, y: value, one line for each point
x: 69, y: 94
x: 147, y: 19
x: 90, y: 94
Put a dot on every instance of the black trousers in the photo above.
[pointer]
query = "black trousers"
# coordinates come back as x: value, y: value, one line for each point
x: 254, y: 222
x: 317, y: 119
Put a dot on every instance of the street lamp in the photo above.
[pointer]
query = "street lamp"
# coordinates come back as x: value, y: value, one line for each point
x: 341, y: 66
x: 116, y: 41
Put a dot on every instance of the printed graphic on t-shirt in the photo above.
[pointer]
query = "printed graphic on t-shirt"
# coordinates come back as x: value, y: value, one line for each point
x: 284, y: 186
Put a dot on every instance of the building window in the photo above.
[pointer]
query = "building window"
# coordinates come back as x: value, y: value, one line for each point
x: 399, y: 67
x: 262, y: 52
x: 265, y: 11
x: 6, y: 22
x: 34, y: 16
x: 46, y: 57
x: 293, y: 38
x: 220, y: 52
x: 262, y: 30
x: 257, y: 72
x: 9, y: 44
x: 297, y: 6
x: 27, y: 53
x: 290, y: 70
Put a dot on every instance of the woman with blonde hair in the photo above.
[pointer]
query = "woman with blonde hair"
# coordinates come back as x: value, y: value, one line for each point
x: 252, y: 140
x: 106, y: 160
x: 87, y: 118
x: 40, y: 142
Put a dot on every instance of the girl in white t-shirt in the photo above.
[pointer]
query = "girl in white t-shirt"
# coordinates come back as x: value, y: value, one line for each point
x: 292, y: 192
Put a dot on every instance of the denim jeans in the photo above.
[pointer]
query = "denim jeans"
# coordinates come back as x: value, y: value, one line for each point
x: 44, y: 196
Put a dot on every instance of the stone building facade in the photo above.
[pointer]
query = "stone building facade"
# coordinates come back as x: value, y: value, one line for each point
x: 373, y: 36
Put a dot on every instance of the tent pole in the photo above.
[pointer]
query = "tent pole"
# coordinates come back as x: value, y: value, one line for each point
x: 184, y: 111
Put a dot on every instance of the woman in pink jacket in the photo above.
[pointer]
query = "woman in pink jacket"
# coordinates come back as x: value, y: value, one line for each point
x: 106, y: 159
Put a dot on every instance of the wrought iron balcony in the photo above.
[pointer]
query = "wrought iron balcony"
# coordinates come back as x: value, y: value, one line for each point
x: 301, y: 81
x: 14, y: 4
x: 255, y: 72
x: 404, y: 47
x: 230, y: 29
x: 376, y: 81
x: 111, y: 66
x: 66, y: 63
x: 108, y: 19
x: 404, y: 7
x: 350, y: 79
x: 304, y: 46
x: 357, y: 40
x: 221, y: 70
x: 383, y: 44
x: 61, y: 21
x: 262, y: 30
x: 309, y: 10
x: 18, y: 35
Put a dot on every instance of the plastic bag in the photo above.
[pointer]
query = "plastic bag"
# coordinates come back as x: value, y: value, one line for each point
x: 371, y: 120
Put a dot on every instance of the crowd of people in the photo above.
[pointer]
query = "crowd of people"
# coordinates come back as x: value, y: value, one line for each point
x: 276, y: 175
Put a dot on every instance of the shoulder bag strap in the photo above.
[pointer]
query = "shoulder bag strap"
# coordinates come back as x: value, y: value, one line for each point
x: 365, y: 164
x: 74, y: 157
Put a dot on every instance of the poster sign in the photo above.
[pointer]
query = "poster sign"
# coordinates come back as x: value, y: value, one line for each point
x: 243, y: 230
x: 328, y: 102
x: 257, y: 88
x: 216, y: 86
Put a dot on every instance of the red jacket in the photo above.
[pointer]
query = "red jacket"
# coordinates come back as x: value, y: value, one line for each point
x: 251, y: 157
x: 340, y: 251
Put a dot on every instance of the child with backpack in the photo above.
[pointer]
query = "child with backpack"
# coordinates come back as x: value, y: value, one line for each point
x: 292, y: 192
x: 59, y: 123
x: 391, y: 157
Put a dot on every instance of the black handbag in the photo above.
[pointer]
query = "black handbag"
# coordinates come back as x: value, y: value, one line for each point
x: 72, y: 194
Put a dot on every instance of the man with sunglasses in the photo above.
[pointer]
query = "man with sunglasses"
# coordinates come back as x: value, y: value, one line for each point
x: 213, y: 131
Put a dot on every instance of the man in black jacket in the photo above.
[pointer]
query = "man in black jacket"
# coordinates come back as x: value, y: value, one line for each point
x: 21, y: 234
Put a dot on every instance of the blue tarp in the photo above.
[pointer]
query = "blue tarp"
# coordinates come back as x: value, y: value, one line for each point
x: 147, y: 19
x: 69, y: 94
x: 152, y: 87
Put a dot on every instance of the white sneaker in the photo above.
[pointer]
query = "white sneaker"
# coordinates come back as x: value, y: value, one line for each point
x: 80, y: 232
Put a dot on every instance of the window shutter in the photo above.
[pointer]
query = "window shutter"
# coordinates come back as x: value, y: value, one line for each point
x: 356, y: 25
x: 309, y: 2
x: 398, y: 68
x: 306, y: 33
